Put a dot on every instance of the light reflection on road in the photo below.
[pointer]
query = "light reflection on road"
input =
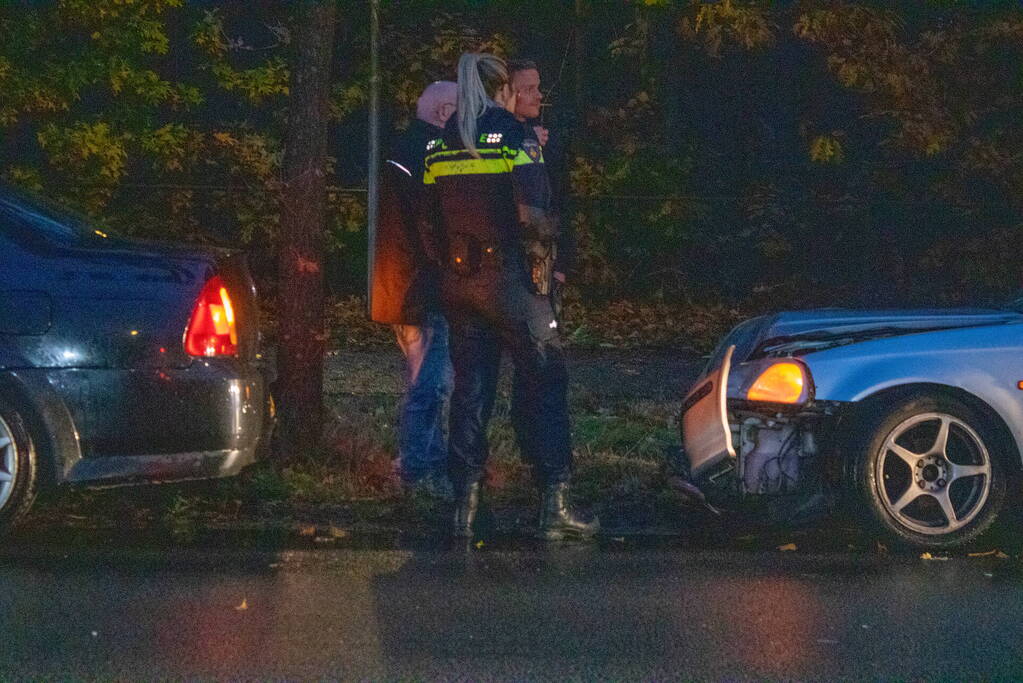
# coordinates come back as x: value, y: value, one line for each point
x: 557, y: 612
x: 776, y: 623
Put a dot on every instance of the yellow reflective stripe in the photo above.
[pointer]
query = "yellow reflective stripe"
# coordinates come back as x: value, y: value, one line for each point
x: 439, y: 169
x: 521, y: 159
x: 495, y: 153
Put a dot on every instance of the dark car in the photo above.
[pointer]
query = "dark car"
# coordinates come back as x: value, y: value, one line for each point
x: 121, y: 361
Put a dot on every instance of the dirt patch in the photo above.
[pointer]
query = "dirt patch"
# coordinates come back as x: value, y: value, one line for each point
x: 634, y: 375
x: 611, y: 374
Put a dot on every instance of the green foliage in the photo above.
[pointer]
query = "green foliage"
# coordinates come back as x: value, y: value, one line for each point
x: 181, y: 518
x: 121, y: 109
x: 826, y: 149
x: 263, y: 482
x: 716, y: 24
x: 739, y: 149
x: 413, y: 57
x: 255, y: 84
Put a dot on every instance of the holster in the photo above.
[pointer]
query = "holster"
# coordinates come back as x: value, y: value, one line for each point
x: 540, y: 257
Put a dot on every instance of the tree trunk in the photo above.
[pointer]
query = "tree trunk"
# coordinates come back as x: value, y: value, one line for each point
x: 302, y: 337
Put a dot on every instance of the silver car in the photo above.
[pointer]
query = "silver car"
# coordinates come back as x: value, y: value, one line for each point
x: 915, y: 416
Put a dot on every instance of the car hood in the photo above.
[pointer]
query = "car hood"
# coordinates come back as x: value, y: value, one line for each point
x: 842, y: 321
x: 793, y: 333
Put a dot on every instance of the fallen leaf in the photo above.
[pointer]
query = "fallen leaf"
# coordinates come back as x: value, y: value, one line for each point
x: 243, y: 606
x: 882, y: 548
x: 928, y: 556
x: 787, y: 547
x: 338, y: 532
x: 479, y: 544
x: 986, y: 553
x: 307, y: 530
x: 1001, y: 556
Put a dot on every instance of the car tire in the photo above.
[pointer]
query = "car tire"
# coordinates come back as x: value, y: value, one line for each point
x: 19, y: 471
x: 928, y: 470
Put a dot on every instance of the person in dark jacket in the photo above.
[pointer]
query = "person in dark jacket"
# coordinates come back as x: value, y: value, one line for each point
x: 485, y: 209
x: 524, y: 77
x: 405, y: 294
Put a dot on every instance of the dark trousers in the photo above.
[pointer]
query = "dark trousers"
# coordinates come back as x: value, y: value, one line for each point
x: 526, y: 330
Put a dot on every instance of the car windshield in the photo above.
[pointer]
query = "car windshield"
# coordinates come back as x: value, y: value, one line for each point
x: 34, y: 218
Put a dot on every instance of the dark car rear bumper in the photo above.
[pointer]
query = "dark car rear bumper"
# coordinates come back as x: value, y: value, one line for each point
x: 155, y: 469
x: 208, y: 420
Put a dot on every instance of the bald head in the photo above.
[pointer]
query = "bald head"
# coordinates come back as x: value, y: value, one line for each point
x: 437, y: 103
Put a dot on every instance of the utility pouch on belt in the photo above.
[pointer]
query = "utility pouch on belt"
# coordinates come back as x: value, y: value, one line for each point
x: 465, y: 254
x: 540, y: 256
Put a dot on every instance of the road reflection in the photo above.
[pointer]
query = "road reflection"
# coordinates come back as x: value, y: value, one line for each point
x: 776, y: 624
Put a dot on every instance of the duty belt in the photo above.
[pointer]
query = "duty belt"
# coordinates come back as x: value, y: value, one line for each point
x: 468, y: 254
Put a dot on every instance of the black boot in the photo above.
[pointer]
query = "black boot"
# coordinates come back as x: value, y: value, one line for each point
x: 557, y: 521
x: 466, y: 505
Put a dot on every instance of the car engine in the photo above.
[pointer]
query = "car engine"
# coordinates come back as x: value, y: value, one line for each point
x: 775, y: 454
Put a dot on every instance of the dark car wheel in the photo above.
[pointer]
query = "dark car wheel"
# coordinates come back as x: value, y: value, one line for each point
x: 929, y: 470
x: 18, y: 470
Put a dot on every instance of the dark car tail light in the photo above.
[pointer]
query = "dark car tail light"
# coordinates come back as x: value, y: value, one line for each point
x: 213, y: 330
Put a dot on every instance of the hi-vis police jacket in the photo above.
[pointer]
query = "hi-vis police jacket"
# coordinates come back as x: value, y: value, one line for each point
x: 480, y: 210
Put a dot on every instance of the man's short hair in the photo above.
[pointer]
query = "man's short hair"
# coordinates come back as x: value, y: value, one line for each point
x: 516, y: 65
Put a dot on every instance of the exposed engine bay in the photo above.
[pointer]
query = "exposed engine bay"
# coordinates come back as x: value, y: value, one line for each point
x: 781, y: 469
x: 775, y: 454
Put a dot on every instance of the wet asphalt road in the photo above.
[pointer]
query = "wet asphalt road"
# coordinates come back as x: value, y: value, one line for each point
x: 529, y: 613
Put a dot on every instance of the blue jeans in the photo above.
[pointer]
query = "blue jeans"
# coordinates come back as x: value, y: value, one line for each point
x: 422, y: 447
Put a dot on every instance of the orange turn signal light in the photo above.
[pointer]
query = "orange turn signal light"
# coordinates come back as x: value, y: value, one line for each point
x: 780, y: 383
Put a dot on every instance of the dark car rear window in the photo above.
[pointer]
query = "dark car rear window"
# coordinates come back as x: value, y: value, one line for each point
x: 33, y: 219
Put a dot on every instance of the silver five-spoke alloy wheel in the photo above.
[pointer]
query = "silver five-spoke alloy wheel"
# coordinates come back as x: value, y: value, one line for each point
x: 8, y: 463
x: 933, y: 474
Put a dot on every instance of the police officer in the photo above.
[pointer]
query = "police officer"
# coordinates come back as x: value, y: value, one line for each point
x: 484, y: 182
x: 524, y: 77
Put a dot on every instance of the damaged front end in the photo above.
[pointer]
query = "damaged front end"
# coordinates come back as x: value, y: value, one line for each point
x: 754, y: 437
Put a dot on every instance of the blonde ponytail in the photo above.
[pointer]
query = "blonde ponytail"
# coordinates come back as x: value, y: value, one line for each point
x: 480, y: 76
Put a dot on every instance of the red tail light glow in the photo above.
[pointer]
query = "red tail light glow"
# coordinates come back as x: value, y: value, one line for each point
x: 212, y: 331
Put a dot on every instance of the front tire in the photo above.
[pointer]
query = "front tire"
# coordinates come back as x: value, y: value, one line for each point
x: 929, y: 470
x: 19, y: 472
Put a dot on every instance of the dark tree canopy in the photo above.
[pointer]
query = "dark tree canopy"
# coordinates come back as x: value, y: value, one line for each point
x: 760, y: 153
